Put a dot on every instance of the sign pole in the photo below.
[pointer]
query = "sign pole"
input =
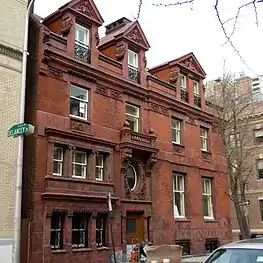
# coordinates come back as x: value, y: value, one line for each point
x: 111, y: 231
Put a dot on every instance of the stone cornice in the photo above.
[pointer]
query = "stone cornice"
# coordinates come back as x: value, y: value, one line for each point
x: 10, y: 52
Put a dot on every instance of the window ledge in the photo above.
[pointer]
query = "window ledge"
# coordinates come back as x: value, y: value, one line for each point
x: 103, y: 248
x: 75, y: 118
x: 182, y: 219
x: 212, y: 220
x: 81, y: 250
x: 59, y: 251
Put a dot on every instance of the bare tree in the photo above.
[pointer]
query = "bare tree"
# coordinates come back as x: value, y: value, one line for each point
x: 223, y: 23
x: 232, y: 106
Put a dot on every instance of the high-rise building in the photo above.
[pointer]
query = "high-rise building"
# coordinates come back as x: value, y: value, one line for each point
x: 257, y: 84
x: 12, y: 20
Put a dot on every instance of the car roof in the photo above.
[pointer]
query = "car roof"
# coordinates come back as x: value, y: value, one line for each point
x: 253, y: 243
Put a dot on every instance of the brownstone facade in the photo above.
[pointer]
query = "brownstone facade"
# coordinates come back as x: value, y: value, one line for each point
x: 106, y: 124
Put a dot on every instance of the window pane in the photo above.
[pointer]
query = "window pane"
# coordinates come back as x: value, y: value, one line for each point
x: 132, y: 110
x: 177, y: 202
x: 133, y: 123
x: 99, y: 173
x: 58, y: 153
x: 57, y: 167
x: 176, y: 124
x: 82, y: 34
x: 99, y: 160
x: 78, y: 170
x: 79, y: 93
x: 180, y: 183
x: 131, y: 226
x: 132, y: 59
x: 79, y: 157
x: 131, y: 177
x: 205, y: 205
x: 182, y: 81
x: 78, y: 108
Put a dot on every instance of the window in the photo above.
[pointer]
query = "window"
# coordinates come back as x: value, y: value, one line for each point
x: 99, y: 167
x: 79, y: 231
x: 196, y: 88
x: 101, y: 230
x: 178, y: 195
x: 176, y: 131
x: 78, y: 102
x: 211, y: 245
x: 234, y: 142
x: 56, y: 239
x: 132, y: 116
x: 79, y: 164
x: 132, y: 59
x: 81, y: 35
x: 183, y: 82
x: 185, y: 244
x: 207, y: 198
x: 261, y: 209
x: 58, y: 161
x: 260, y: 168
x: 131, y: 177
x: 204, y: 139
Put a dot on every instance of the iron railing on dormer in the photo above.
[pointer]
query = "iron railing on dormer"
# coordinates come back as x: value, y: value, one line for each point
x: 184, y: 95
x: 82, y: 51
x: 197, y: 100
x: 134, y: 74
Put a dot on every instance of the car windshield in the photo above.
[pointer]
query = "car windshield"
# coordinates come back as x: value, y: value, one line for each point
x: 236, y: 255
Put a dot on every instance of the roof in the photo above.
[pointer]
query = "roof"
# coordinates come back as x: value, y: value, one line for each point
x: 111, y: 36
x: 188, y: 61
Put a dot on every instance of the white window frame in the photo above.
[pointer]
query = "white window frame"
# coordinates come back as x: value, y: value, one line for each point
x: 79, y: 27
x: 81, y: 101
x: 60, y: 161
x: 82, y: 164
x: 84, y: 242
x: 204, y: 139
x: 100, y: 168
x: 135, y: 118
x: 177, y: 131
x: 196, y: 88
x: 184, y: 84
x: 182, y: 196
x: 209, y: 195
x: 136, y: 59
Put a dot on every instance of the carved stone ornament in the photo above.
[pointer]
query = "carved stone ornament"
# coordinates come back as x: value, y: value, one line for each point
x: 80, y: 127
x: 135, y: 36
x: 126, y: 155
x: 137, y: 194
x: 145, y: 61
x: 121, y: 51
x: 97, y: 37
x: 55, y: 73
x: 189, y: 63
x: 152, y: 160
x: 66, y: 26
x: 159, y: 109
x: 174, y: 76
x: 85, y: 8
x: 46, y: 38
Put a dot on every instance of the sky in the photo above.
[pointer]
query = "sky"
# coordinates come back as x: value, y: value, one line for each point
x: 178, y: 30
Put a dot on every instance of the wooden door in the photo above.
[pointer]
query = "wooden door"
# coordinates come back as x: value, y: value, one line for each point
x: 134, y: 228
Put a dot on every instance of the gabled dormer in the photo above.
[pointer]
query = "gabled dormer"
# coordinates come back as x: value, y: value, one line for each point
x: 126, y: 42
x: 78, y: 21
x: 187, y: 75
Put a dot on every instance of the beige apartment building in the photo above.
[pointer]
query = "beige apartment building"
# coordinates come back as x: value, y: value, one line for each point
x: 12, y: 18
x: 255, y: 189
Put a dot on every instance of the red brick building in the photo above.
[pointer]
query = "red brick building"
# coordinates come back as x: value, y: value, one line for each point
x: 106, y: 124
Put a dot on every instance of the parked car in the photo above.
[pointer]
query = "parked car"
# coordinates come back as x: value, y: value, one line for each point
x: 243, y: 251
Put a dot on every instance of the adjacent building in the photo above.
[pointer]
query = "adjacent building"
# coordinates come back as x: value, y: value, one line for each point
x: 257, y: 84
x: 11, y: 46
x: 106, y: 124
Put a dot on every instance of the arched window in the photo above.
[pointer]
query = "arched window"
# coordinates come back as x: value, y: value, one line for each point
x: 131, y: 177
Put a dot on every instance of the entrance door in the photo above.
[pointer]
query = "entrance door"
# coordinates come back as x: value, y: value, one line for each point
x: 134, y: 228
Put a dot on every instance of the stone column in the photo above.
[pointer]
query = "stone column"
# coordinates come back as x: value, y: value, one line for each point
x: 91, y: 166
x: 68, y: 161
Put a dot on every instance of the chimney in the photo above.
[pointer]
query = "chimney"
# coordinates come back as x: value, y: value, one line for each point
x: 116, y: 25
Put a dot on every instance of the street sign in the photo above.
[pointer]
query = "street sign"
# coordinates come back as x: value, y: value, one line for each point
x: 109, y: 202
x: 247, y: 202
x: 19, y: 129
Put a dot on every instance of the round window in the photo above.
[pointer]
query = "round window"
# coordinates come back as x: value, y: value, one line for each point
x: 131, y: 177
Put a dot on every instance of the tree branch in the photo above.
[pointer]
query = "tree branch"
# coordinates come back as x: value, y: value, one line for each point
x: 139, y: 9
x: 175, y: 4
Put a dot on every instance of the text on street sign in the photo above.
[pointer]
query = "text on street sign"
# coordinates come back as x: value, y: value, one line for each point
x: 19, y: 129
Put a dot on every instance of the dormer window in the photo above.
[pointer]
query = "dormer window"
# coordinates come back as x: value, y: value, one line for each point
x: 82, y: 45
x: 183, y: 88
x: 197, y: 99
x: 133, y: 72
